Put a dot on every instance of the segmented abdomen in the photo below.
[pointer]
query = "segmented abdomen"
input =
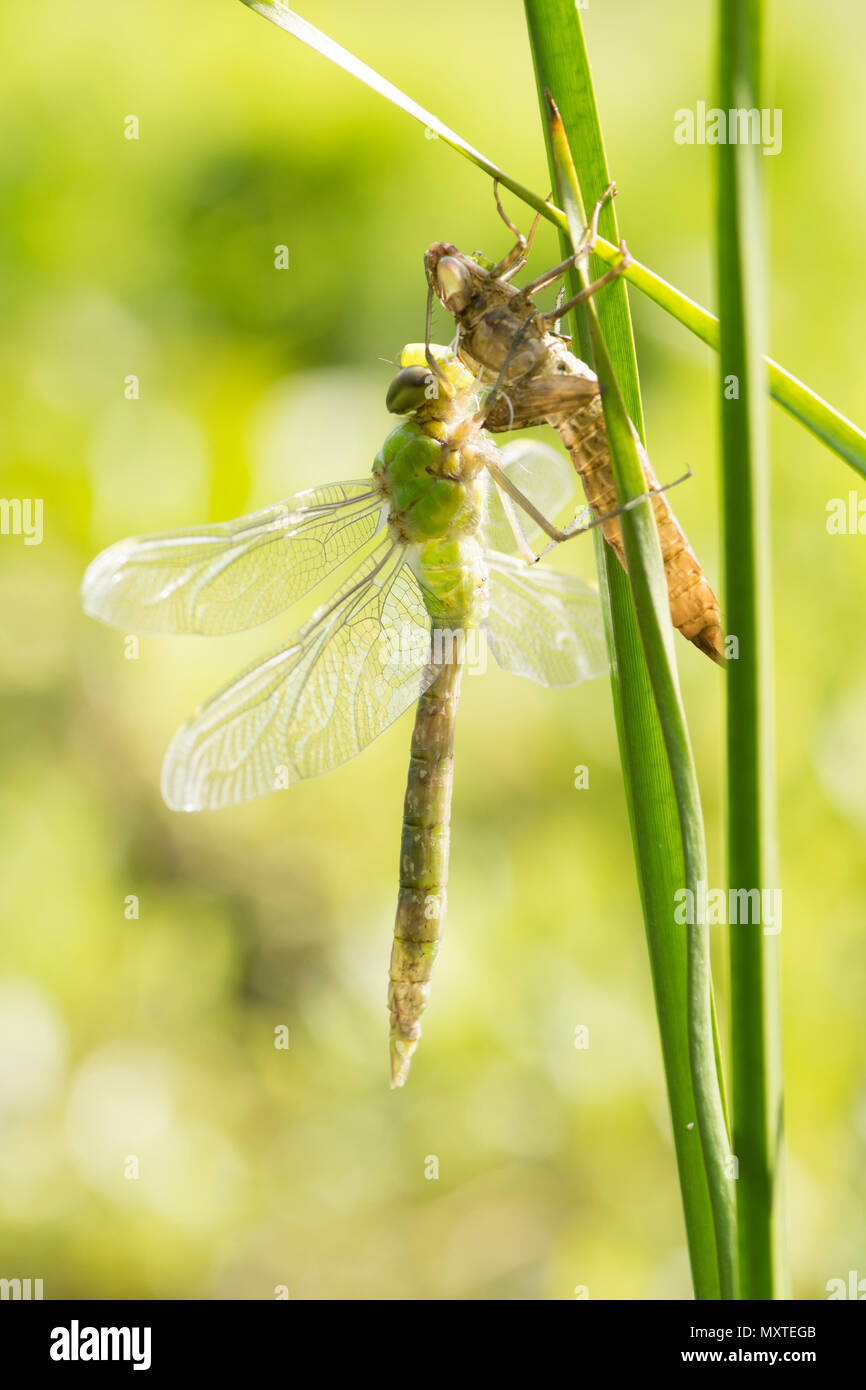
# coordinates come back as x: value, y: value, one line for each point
x: 694, y: 608
x: 424, y: 849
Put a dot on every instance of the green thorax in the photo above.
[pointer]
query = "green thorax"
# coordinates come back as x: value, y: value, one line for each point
x: 433, y: 482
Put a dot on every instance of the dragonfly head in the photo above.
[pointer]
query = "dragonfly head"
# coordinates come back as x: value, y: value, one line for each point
x: 417, y: 385
x: 453, y: 276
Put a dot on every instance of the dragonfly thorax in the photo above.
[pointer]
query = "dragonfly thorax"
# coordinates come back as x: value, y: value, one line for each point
x: 432, y: 485
x: 431, y: 474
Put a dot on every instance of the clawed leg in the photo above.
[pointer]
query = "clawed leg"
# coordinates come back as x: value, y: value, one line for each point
x: 523, y: 546
x: 560, y: 300
x: 528, y: 400
x: 590, y: 236
x: 587, y: 245
x: 502, y: 480
x: 496, y: 391
x: 549, y: 320
x: 575, y: 530
x: 436, y: 370
x: 557, y: 536
x: 512, y: 262
x: 517, y: 257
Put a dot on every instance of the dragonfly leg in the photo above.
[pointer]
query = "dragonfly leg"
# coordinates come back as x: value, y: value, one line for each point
x: 532, y: 400
x: 592, y: 230
x: 438, y: 374
x: 496, y: 390
x: 575, y: 530
x: 522, y: 543
x: 519, y: 253
x: 548, y: 320
x: 560, y: 300
x: 549, y: 277
x: 502, y: 480
x: 557, y: 536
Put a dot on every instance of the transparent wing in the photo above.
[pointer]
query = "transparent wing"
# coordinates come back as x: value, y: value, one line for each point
x: 546, y: 477
x: 359, y: 662
x: 236, y: 574
x: 543, y: 624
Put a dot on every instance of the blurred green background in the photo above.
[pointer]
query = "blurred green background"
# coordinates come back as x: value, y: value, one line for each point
x: 153, y: 1036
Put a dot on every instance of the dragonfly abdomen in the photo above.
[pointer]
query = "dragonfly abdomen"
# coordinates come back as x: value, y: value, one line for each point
x: 424, y: 847
x: 694, y: 607
x: 452, y: 573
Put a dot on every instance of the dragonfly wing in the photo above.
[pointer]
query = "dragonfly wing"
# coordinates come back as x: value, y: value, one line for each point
x: 544, y: 624
x: 236, y: 574
x: 546, y: 477
x: 359, y: 662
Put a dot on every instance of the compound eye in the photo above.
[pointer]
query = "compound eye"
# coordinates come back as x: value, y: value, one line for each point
x: 455, y: 284
x: 408, y: 391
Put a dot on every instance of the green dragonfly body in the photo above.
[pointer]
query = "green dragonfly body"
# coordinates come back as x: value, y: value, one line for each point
x: 433, y: 586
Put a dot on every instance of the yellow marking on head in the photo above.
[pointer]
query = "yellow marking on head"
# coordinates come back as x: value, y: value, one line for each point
x: 452, y: 369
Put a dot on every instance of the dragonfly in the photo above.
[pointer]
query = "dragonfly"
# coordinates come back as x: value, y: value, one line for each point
x: 425, y: 569
x: 502, y: 336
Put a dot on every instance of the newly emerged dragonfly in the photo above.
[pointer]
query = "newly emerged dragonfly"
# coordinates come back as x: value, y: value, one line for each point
x: 503, y: 337
x: 434, y: 537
